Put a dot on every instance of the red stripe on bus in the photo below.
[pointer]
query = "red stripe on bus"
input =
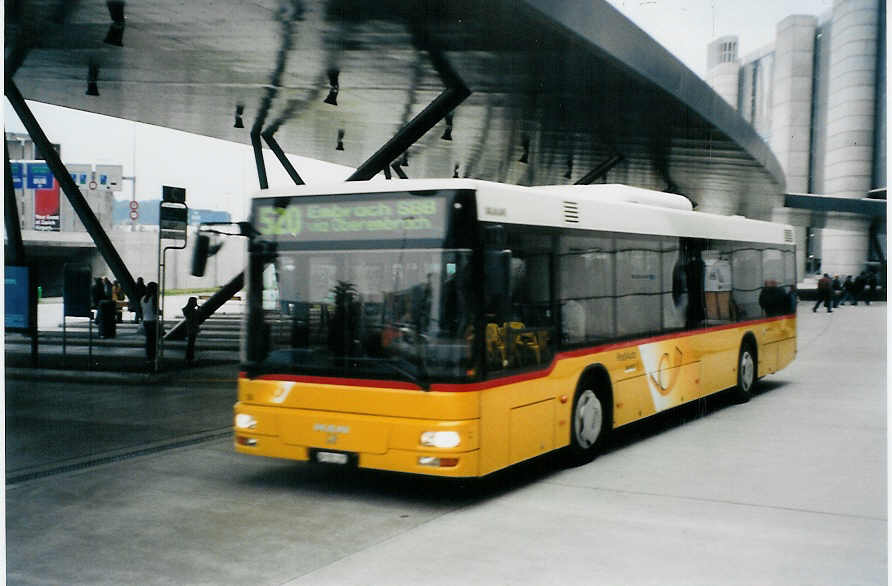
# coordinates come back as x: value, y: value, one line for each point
x: 517, y: 378
x: 350, y: 382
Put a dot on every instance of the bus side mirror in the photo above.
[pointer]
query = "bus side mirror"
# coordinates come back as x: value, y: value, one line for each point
x: 200, y: 254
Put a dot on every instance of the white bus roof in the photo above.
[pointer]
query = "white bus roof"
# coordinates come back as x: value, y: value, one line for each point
x: 606, y: 207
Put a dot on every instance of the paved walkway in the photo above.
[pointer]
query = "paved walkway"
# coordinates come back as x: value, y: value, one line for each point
x: 789, y: 488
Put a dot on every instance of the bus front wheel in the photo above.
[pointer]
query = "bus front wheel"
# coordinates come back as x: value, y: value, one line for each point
x: 747, y: 367
x: 589, y: 426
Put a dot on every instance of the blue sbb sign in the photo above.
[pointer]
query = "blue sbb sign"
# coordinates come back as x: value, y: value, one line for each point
x: 18, y: 181
x: 39, y: 176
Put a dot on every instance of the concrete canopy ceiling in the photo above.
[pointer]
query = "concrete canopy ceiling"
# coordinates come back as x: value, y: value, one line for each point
x: 569, y: 83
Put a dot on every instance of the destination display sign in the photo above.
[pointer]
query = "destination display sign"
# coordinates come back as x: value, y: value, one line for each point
x: 332, y: 218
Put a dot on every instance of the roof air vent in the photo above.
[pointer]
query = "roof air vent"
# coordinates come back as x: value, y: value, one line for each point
x: 571, y: 212
x: 788, y: 235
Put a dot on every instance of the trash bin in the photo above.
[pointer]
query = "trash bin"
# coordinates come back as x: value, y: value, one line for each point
x: 106, y: 319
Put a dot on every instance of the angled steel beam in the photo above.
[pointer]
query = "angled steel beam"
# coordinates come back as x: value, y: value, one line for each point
x: 258, y: 158
x: 15, y: 247
x: 399, y: 171
x: 280, y: 154
x: 411, y: 132
x: 600, y: 170
x: 69, y: 187
x: 207, y: 309
x: 455, y: 93
x: 827, y: 203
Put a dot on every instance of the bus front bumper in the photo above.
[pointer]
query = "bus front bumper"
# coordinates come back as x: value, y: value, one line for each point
x: 367, y: 441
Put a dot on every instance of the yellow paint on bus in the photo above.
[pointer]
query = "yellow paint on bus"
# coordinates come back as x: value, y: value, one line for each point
x: 500, y: 422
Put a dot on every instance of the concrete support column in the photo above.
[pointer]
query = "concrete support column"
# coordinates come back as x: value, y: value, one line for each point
x: 792, y: 98
x: 723, y: 69
x: 724, y: 79
x: 844, y: 244
x: 851, y: 110
x: 851, y: 97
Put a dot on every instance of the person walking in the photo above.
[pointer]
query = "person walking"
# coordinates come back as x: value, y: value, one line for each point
x: 847, y: 291
x: 190, y: 312
x: 871, y: 287
x: 149, y: 304
x: 97, y: 295
x: 139, y: 291
x: 97, y: 292
x: 118, y: 297
x: 837, y: 291
x: 825, y: 293
x: 858, y: 288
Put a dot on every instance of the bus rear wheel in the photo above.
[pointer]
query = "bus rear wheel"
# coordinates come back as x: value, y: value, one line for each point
x: 747, y: 368
x: 589, y: 423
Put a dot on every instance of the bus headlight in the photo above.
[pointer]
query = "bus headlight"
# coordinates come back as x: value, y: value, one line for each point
x: 245, y: 421
x: 440, y: 439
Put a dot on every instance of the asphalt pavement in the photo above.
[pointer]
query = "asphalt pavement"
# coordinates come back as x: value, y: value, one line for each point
x: 138, y: 484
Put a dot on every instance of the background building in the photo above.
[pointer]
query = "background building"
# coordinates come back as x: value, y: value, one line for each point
x: 53, y: 236
x: 817, y: 95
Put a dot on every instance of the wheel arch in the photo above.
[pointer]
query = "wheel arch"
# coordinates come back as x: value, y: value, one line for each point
x: 750, y: 338
x: 596, y: 377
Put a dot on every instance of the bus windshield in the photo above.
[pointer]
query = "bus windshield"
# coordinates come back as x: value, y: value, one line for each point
x: 397, y: 314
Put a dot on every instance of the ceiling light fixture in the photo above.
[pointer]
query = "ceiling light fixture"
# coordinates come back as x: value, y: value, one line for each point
x: 447, y: 134
x: 334, y: 87
x: 92, y: 79
x: 525, y: 156
x: 115, y: 35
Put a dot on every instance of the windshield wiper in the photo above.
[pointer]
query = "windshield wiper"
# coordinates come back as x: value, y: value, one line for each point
x: 421, y: 382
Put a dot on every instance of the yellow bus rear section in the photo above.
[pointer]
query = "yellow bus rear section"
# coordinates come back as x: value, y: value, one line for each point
x: 498, y: 423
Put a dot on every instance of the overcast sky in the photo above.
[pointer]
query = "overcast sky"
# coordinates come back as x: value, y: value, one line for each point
x: 684, y: 27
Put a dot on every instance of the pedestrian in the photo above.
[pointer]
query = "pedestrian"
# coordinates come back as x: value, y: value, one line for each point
x: 773, y: 300
x: 848, y: 291
x: 825, y: 293
x: 139, y: 290
x: 858, y: 288
x: 794, y: 299
x: 837, y: 291
x: 107, y: 285
x: 190, y: 312
x: 97, y: 293
x: 149, y: 304
x: 118, y: 297
x: 871, y: 287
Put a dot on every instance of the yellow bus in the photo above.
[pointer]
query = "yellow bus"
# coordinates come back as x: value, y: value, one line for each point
x: 456, y: 327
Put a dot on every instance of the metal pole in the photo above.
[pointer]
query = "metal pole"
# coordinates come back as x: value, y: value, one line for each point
x: 69, y: 187
x: 159, y: 306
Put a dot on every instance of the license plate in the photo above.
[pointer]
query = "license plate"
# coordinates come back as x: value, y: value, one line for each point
x: 332, y: 458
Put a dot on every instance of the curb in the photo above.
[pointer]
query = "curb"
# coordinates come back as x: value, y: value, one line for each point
x: 87, y: 376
